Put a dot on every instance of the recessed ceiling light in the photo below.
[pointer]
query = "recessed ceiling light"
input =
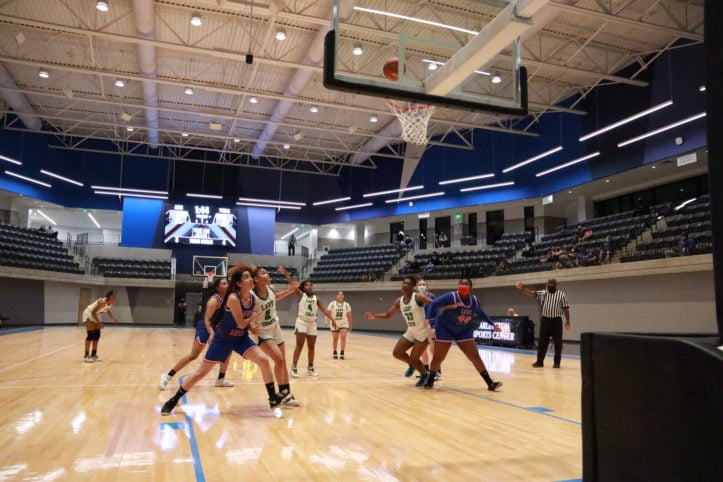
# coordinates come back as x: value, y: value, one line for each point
x: 653, y: 167
x: 314, y: 109
x: 102, y: 6
x: 607, y: 180
x: 129, y: 129
x: 237, y: 140
x: 196, y: 20
x: 496, y: 79
x: 120, y: 83
x: 188, y: 91
x: 432, y: 66
x: 701, y: 88
x: 374, y: 119
x: 184, y: 134
x: 286, y: 146
x: 43, y: 74
x: 280, y: 35
x: 253, y: 100
x: 357, y: 50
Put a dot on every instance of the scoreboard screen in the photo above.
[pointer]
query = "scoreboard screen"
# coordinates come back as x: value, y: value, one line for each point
x: 199, y: 224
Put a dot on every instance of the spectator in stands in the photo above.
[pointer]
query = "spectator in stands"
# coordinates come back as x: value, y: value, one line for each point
x: 409, y: 243
x: 503, y: 267
x: 292, y: 245
x: 369, y: 276
x: 686, y: 243
x: 435, y: 259
x: 411, y: 266
x: 511, y: 312
x: 411, y: 305
x: 42, y: 229
x: 202, y: 337
x: 448, y: 259
x: 528, y: 251
x: 436, y: 240
x: 606, y: 250
x: 443, y: 241
x: 93, y: 323
x: 430, y: 266
x: 582, y: 233
x: 51, y: 233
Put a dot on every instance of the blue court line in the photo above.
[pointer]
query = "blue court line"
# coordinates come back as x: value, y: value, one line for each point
x: 527, y: 409
x: 570, y: 480
x: 11, y: 331
x: 540, y: 409
x: 195, y: 454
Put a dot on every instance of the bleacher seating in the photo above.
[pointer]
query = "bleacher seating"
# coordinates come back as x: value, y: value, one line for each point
x: 27, y: 248
x: 692, y: 219
x: 355, y: 264
x: 278, y: 278
x: 132, y: 268
x: 476, y: 263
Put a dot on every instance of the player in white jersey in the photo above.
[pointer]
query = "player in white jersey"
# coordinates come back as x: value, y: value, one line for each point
x: 416, y: 337
x: 270, y: 338
x: 340, y: 324
x: 305, y: 328
x: 93, y: 323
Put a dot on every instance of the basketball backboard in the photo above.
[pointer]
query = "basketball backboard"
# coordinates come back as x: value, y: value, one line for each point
x: 206, y: 264
x: 463, y: 54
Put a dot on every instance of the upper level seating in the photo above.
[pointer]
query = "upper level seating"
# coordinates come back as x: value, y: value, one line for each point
x: 474, y: 263
x: 132, y: 268
x: 355, y: 264
x: 27, y: 248
x: 692, y: 220
x: 515, y: 240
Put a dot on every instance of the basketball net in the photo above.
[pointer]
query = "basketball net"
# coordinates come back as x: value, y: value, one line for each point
x: 414, y: 119
x: 208, y: 281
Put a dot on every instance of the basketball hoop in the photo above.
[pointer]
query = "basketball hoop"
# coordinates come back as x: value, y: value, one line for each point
x: 208, y: 281
x: 414, y: 119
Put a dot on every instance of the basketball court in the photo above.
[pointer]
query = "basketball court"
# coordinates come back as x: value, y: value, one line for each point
x: 63, y: 419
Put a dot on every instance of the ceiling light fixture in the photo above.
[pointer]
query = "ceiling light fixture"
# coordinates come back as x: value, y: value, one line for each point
x: 188, y: 91
x: 11, y: 160
x: 270, y: 201
x: 432, y: 66
x: 411, y: 198
x: 463, y: 179
x: 196, y: 19
x: 532, y: 159
x: 331, y: 201
x: 46, y: 217
x: 43, y: 74
x: 272, y: 206
x: 58, y: 176
x: 102, y: 6
x: 692, y: 118
x: 496, y: 79
x: 626, y: 120
x: 413, y: 19
x: 287, y: 146
x: 204, y: 196
x: 701, y: 88
x: 126, y: 116
x: 127, y: 194
x: 313, y: 109
x: 253, y: 100
x: 128, y: 189
x: 374, y: 119
x: 280, y: 35
x: 237, y: 140
x: 120, y: 83
x: 184, y: 134
x: 29, y: 179
x: 392, y: 191
x: 130, y: 129
x: 488, y: 186
x: 94, y: 221
x: 568, y: 164
x: 289, y: 233
x: 357, y: 50
x: 355, y: 206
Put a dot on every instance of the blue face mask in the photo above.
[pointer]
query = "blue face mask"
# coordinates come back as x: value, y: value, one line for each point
x: 422, y: 288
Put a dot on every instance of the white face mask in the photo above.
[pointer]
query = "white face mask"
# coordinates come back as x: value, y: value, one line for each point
x: 421, y: 288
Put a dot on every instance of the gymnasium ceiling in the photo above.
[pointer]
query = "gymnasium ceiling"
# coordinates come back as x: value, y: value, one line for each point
x: 151, y: 46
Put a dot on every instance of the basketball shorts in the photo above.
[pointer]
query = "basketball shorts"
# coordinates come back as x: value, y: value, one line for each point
x: 222, y: 346
x: 305, y: 327
x: 202, y: 334
x: 269, y: 333
x: 340, y: 325
x: 416, y: 334
x: 449, y: 332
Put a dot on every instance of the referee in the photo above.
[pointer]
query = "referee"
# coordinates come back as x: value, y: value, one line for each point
x: 554, y: 304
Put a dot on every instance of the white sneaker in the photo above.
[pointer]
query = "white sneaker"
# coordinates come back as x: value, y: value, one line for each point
x: 222, y: 382
x: 312, y: 372
x: 165, y: 378
x: 96, y: 358
x: 294, y: 373
x: 87, y: 359
x: 438, y: 377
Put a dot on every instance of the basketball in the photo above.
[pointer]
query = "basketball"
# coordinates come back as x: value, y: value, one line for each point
x: 391, y: 69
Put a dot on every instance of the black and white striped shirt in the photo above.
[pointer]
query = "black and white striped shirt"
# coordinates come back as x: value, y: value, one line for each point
x: 552, y: 303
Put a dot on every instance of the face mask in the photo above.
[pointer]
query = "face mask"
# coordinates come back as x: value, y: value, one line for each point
x: 551, y: 289
x: 421, y: 288
x: 463, y: 290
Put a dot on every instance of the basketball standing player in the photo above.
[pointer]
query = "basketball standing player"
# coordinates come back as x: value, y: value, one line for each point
x: 455, y: 323
x: 411, y: 304
x: 430, y: 316
x: 305, y: 328
x: 340, y: 324
x: 93, y: 323
x: 204, y: 332
x: 231, y: 333
x: 270, y: 338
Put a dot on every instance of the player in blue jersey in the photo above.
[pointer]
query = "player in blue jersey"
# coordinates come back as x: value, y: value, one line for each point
x: 430, y: 316
x: 204, y: 332
x: 457, y: 311
x: 411, y: 304
x: 231, y: 333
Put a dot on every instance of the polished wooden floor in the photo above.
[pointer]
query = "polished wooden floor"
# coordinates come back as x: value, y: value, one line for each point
x: 62, y: 419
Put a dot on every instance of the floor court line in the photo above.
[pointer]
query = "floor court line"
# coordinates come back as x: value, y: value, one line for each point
x: 41, y: 356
